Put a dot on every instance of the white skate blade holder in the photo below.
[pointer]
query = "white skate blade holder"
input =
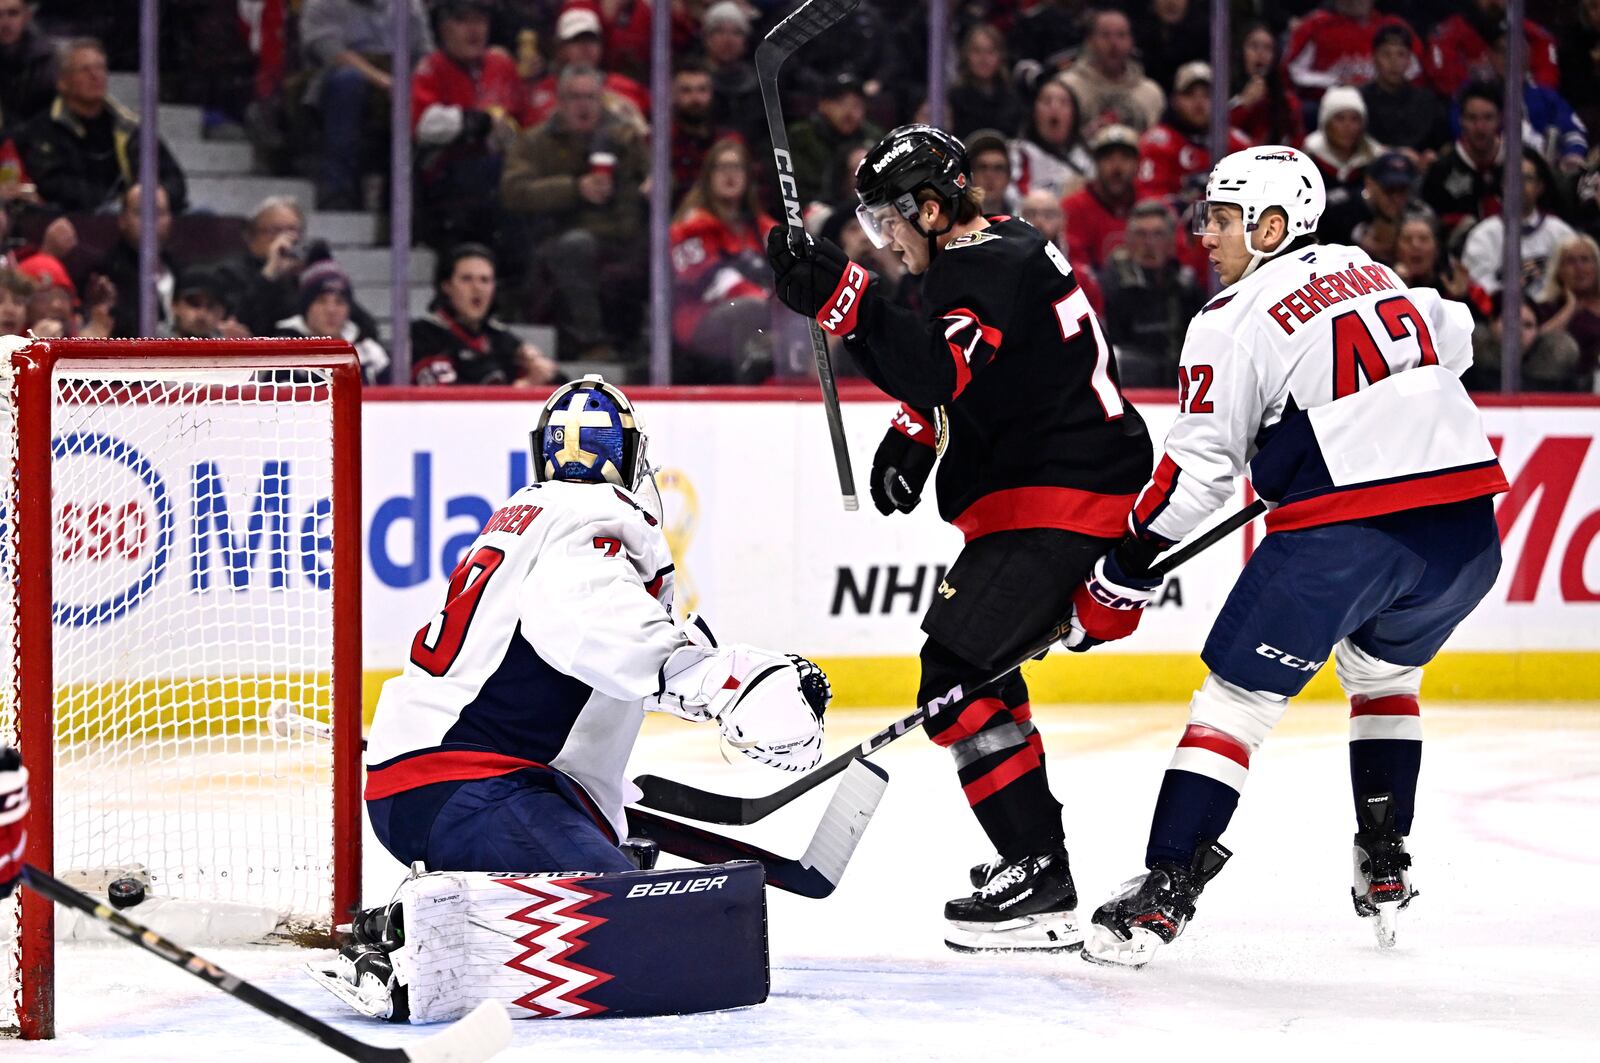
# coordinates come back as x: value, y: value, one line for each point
x: 1104, y: 947
x: 1387, y: 922
x: 1044, y: 932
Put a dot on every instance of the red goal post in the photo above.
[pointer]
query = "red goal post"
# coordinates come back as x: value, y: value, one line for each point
x: 180, y: 544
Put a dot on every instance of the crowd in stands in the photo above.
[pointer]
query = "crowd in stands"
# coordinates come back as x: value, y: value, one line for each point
x: 532, y: 146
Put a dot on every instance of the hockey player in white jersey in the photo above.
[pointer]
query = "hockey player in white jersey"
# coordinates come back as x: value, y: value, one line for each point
x: 1335, y: 386
x: 502, y: 746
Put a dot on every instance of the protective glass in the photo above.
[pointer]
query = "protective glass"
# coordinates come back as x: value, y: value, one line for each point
x: 1213, y: 218
x: 878, y: 223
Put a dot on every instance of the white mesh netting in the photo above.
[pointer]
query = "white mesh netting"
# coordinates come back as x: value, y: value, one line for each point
x: 10, y: 910
x: 192, y: 523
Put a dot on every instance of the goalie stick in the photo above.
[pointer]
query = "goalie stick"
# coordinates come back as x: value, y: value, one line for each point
x: 803, y: 24
x: 478, y: 1036
x: 817, y: 873
x: 681, y: 799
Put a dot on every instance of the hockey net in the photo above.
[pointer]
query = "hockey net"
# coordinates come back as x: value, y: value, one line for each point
x: 179, y: 575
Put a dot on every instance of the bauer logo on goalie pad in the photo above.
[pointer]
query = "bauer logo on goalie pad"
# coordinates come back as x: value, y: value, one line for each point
x: 667, y: 889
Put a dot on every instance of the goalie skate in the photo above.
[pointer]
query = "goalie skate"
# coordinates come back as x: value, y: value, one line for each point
x: 1382, y: 887
x: 1026, y: 906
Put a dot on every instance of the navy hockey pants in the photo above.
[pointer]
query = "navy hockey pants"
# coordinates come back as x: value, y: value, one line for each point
x: 524, y: 821
x: 1395, y: 585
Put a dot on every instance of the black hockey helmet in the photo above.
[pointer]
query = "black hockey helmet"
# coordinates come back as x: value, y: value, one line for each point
x: 907, y: 160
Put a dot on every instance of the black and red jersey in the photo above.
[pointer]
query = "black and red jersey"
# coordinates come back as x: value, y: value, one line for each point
x: 1040, y: 435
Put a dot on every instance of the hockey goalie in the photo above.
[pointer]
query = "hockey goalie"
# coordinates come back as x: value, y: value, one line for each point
x: 496, y: 760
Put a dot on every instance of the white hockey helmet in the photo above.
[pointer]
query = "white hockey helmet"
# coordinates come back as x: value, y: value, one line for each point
x: 1255, y: 179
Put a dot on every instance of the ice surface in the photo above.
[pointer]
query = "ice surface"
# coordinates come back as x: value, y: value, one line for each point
x: 1496, y: 959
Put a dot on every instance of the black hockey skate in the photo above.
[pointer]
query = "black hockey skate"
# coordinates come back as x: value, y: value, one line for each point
x: 1028, y: 905
x: 980, y: 874
x: 362, y: 973
x: 1382, y: 869
x: 1151, y: 911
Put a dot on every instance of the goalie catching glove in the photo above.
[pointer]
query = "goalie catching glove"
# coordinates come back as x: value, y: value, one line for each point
x: 768, y: 705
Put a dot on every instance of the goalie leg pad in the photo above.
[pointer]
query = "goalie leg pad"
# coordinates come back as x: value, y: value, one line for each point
x: 577, y: 945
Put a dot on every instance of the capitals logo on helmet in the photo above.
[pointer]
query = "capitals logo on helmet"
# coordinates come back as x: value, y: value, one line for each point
x: 589, y: 433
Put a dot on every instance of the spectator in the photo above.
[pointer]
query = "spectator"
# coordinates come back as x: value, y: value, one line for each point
x: 346, y: 43
x: 1175, y: 155
x: 1333, y: 46
x: 1570, y: 300
x: 722, y: 285
x: 1556, y: 131
x: 1463, y: 184
x: 983, y: 95
x: 264, y: 276
x: 1401, y: 114
x: 1264, y: 107
x: 578, y: 178
x: 1050, y: 152
x: 467, y: 105
x: 15, y: 291
x: 1150, y: 298
x: 1097, y: 213
x: 53, y: 309
x: 1043, y: 211
x: 1174, y: 33
x: 84, y: 151
x: 121, y: 265
x: 199, y: 306
x: 1370, y: 216
x: 27, y: 66
x: 819, y: 143
x: 1550, y: 359
x: 1341, y: 147
x: 1579, y: 52
x: 735, y: 93
x: 990, y: 159
x: 323, y: 301
x: 1458, y: 50
x: 1542, y: 233
x: 1109, y: 83
x: 578, y: 44
x: 692, y: 130
x: 1421, y: 260
x: 458, y: 342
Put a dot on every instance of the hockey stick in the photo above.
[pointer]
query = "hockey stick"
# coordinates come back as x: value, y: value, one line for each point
x: 681, y: 799
x: 484, y: 1032
x: 804, y: 23
x: 817, y: 873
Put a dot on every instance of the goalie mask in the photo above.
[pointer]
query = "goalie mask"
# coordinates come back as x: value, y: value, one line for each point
x: 589, y: 433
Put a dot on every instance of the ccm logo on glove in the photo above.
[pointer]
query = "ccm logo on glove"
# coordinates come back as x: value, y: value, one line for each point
x: 839, y: 316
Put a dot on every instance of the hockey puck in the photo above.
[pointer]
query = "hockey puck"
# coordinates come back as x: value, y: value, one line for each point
x: 125, y: 892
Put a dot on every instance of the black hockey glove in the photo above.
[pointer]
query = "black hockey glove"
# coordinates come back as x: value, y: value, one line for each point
x: 899, y: 470
x: 810, y: 283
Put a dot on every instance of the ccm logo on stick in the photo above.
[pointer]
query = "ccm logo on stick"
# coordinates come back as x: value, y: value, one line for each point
x: 663, y: 889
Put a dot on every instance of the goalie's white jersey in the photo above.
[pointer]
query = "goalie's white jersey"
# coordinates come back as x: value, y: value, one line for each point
x: 1336, y: 384
x: 557, y: 622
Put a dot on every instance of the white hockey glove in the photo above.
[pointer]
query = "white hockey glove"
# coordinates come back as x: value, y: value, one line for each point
x: 768, y: 705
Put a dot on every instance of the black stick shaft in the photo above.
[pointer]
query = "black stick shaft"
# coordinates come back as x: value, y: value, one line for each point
x: 809, y: 19
x: 48, y: 886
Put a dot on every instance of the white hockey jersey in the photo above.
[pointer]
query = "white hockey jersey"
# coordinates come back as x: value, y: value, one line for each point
x: 1336, y: 384
x: 557, y: 622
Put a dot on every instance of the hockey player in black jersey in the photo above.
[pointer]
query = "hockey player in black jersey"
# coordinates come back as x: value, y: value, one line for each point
x: 1008, y: 383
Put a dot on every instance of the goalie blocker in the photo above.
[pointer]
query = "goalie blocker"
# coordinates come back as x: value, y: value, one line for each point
x: 564, y: 945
